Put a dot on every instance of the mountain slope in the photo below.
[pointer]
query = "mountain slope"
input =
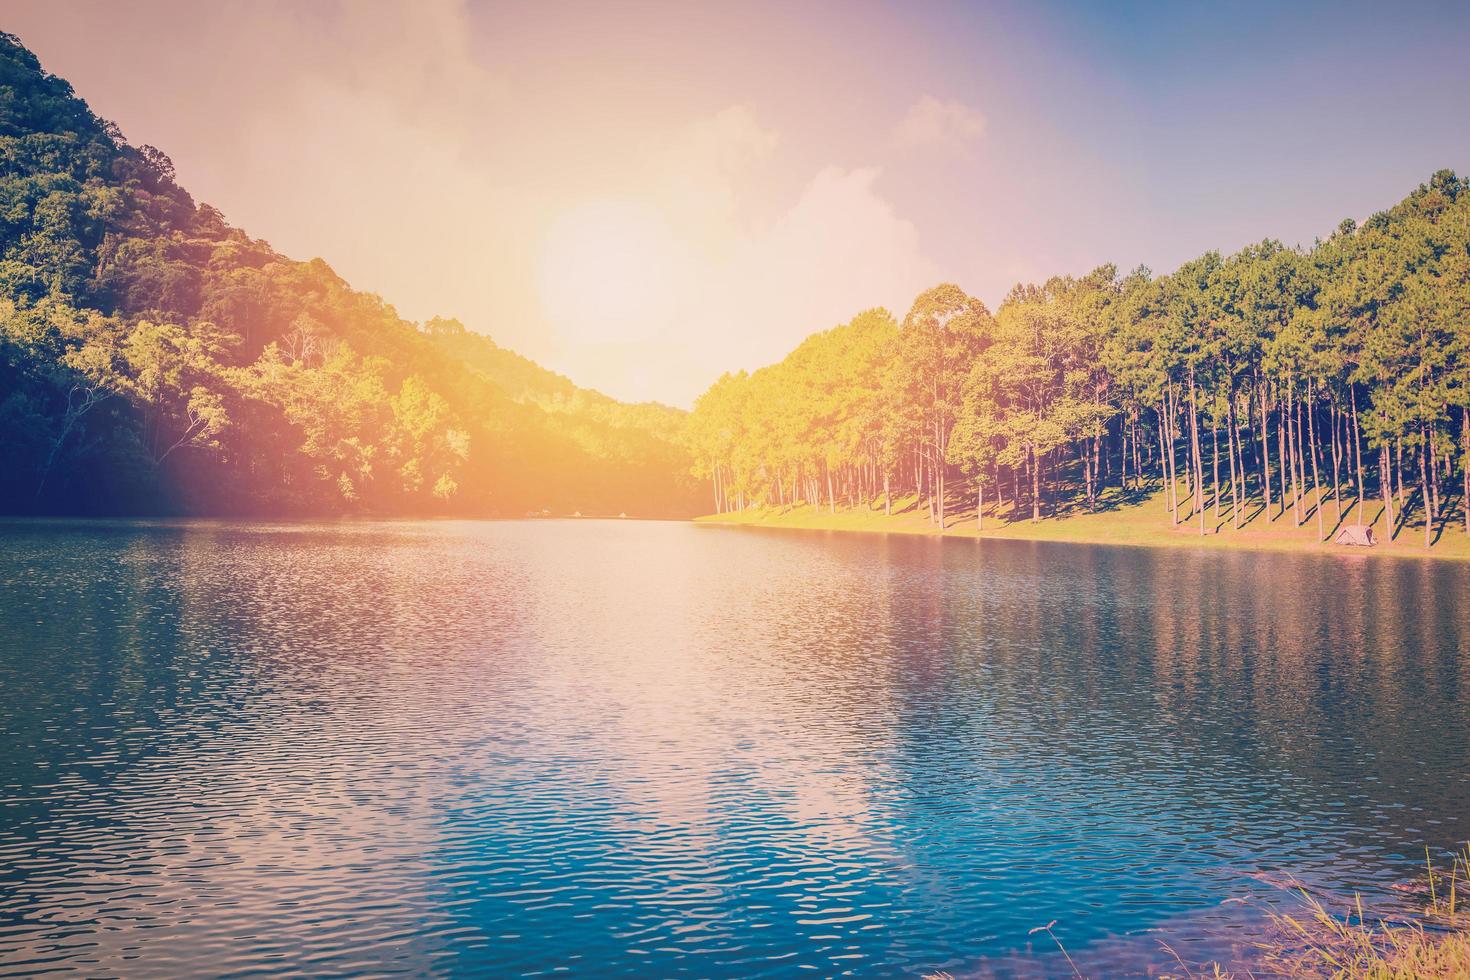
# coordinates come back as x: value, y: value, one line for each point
x: 155, y: 359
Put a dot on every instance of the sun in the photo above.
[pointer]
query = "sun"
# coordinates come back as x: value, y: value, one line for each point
x: 607, y: 272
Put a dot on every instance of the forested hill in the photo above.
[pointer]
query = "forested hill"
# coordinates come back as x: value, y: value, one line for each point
x: 154, y: 359
x: 1313, y: 387
x: 525, y: 380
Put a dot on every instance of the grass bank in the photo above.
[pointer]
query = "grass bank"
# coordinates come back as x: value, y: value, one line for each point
x: 1129, y: 519
x: 1429, y: 941
x: 1427, y: 938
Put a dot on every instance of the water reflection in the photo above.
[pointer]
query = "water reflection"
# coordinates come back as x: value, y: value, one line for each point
x: 632, y: 749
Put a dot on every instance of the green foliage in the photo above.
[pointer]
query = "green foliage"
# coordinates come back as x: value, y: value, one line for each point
x: 154, y: 358
x: 1284, y: 374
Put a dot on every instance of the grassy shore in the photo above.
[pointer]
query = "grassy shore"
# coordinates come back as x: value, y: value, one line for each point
x: 1429, y: 940
x: 1135, y: 519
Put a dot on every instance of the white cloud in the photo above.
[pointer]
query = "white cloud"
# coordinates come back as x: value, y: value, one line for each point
x: 729, y: 142
x: 701, y: 171
x: 743, y: 276
x: 931, y: 123
x: 389, y: 142
x: 840, y: 248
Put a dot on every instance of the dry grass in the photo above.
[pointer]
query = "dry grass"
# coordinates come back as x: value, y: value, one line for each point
x: 1384, y: 953
x: 1134, y: 520
x: 1430, y: 943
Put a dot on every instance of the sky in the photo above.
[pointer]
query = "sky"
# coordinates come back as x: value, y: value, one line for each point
x: 643, y: 196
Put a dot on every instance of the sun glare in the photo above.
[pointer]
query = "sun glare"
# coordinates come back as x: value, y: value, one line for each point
x: 605, y: 271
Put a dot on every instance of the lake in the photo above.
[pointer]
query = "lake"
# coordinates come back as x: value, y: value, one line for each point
x: 654, y: 749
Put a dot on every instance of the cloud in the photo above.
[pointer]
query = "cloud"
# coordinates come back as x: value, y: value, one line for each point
x: 743, y: 274
x: 702, y: 170
x: 839, y: 248
x: 419, y: 155
x: 932, y: 124
x: 357, y: 132
x: 729, y: 142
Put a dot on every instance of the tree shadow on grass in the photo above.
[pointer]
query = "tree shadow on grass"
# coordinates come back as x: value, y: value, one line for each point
x: 1447, y: 508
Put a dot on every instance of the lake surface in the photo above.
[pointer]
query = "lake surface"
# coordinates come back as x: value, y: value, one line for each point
x: 643, y: 749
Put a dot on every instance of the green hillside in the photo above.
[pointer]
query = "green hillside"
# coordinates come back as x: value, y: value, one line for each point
x: 153, y: 358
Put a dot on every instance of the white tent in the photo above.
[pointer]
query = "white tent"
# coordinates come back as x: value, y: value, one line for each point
x: 1356, y: 534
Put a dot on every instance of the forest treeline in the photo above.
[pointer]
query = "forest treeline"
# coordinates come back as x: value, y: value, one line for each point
x: 155, y: 359
x: 1322, y: 386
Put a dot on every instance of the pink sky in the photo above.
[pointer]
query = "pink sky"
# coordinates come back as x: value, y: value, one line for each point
x: 643, y: 196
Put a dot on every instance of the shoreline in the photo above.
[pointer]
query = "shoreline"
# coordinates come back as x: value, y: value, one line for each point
x: 1141, y: 522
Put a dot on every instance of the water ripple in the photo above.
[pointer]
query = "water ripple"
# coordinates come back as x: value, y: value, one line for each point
x: 627, y: 749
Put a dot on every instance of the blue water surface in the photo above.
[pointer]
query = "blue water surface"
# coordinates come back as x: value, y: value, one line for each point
x: 643, y: 749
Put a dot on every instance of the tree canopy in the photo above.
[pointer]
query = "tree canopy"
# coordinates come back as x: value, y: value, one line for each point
x: 1278, y: 380
x: 154, y: 358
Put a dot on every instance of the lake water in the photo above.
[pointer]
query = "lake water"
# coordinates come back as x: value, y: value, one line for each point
x: 643, y: 749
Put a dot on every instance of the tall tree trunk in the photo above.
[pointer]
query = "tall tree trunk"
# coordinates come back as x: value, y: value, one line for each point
x: 1232, y: 449
x: 1265, y: 451
x: 1199, y: 467
x: 979, y: 502
x: 1099, y: 466
x: 1398, y: 475
x: 1166, y: 463
x: 1283, y: 431
x: 1123, y: 430
x: 919, y: 478
x: 926, y: 468
x: 1290, y: 451
x: 1035, y: 462
x: 1336, y: 471
x: 1137, y: 463
x: 1312, y: 442
x: 1245, y: 481
x: 1168, y: 447
x: 1433, y: 470
x: 939, y: 467
x: 1215, y: 462
x: 1385, y: 484
x: 1174, y: 436
x: 1173, y: 453
x: 1240, y: 489
x: 1299, y: 461
x: 1465, y: 464
x: 1086, y: 473
x: 1358, y: 452
x: 1424, y: 490
x: 1133, y: 438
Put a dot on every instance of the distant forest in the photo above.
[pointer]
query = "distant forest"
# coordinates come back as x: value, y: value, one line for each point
x: 1330, y: 384
x: 153, y: 359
